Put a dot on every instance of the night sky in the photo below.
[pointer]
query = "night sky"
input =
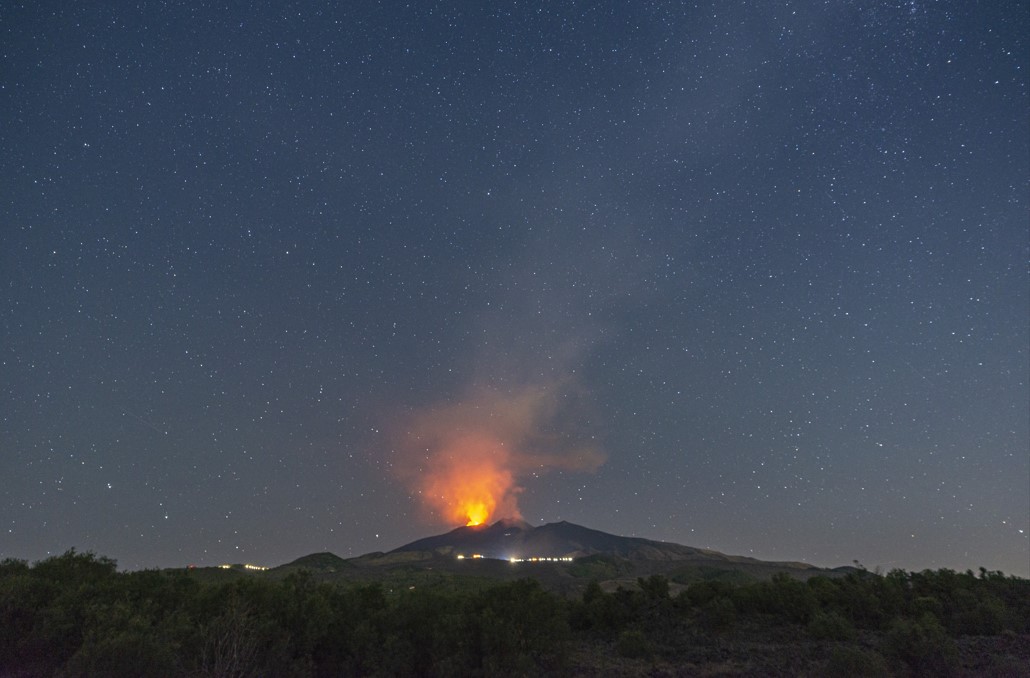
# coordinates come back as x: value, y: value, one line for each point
x: 749, y: 276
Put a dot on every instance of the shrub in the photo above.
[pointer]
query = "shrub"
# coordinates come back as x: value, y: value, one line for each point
x: 718, y: 615
x: 856, y: 662
x: 830, y: 626
x: 655, y: 587
x: 922, y: 644
x: 633, y: 644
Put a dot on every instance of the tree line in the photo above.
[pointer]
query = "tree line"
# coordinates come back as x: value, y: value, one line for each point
x: 76, y: 615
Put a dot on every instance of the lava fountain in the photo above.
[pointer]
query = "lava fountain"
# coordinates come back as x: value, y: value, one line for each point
x: 470, y: 480
x: 464, y: 460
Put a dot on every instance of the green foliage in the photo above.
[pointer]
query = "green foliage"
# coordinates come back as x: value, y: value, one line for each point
x: 11, y: 567
x: 44, y: 609
x: 700, y: 593
x: 75, y: 569
x: 75, y: 615
x: 782, y: 596
x: 856, y: 598
x: 655, y: 587
x: 718, y: 615
x: 698, y: 573
x: 516, y: 627
x: 922, y: 644
x: 927, y: 605
x: 598, y: 612
x: 830, y: 626
x: 856, y: 662
x: 124, y: 644
x: 599, y: 567
x: 633, y: 644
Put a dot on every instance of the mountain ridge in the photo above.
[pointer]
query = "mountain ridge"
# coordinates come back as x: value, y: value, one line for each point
x: 508, y: 538
x: 563, y: 557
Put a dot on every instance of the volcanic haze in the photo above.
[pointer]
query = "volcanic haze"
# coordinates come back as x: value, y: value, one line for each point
x: 465, y: 459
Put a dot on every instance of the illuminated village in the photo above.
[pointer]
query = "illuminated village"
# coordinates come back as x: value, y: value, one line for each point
x: 533, y: 559
x: 244, y: 566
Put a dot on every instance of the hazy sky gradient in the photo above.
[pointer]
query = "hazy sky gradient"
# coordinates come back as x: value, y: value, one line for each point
x: 776, y: 254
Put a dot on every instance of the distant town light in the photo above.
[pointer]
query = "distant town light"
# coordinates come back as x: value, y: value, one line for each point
x: 516, y: 559
x: 246, y: 566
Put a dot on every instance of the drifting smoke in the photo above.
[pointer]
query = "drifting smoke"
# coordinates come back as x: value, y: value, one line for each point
x: 465, y: 460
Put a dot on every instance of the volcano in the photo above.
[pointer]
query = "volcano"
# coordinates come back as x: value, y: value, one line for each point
x: 562, y: 556
x: 509, y: 538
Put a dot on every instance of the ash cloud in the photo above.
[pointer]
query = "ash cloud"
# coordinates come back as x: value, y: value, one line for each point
x: 481, y: 447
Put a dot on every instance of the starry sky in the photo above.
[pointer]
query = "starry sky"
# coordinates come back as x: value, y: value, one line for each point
x: 762, y: 265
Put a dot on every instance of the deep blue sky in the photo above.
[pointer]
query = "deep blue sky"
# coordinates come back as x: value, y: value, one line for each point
x: 775, y: 253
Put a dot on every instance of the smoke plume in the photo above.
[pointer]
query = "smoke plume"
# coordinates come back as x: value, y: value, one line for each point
x: 465, y: 460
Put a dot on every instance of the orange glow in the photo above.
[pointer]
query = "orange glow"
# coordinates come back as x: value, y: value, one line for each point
x: 464, y: 460
x: 469, y: 483
x: 477, y: 513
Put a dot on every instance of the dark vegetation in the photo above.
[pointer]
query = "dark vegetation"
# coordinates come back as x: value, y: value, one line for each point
x: 76, y: 615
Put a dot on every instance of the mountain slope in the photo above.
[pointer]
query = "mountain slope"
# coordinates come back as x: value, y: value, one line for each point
x: 327, y: 562
x: 507, y: 539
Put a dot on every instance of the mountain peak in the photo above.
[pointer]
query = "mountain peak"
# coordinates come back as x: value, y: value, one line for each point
x: 513, y: 523
x: 514, y: 538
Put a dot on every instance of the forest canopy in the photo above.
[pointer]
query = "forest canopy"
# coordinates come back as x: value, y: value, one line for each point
x: 77, y: 615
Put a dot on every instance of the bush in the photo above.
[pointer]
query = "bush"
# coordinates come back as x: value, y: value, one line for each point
x: 518, y: 628
x: 976, y: 615
x: 655, y: 587
x: 718, y: 615
x: 633, y: 644
x: 923, y: 645
x: 830, y: 626
x: 76, y: 615
x: 856, y: 662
